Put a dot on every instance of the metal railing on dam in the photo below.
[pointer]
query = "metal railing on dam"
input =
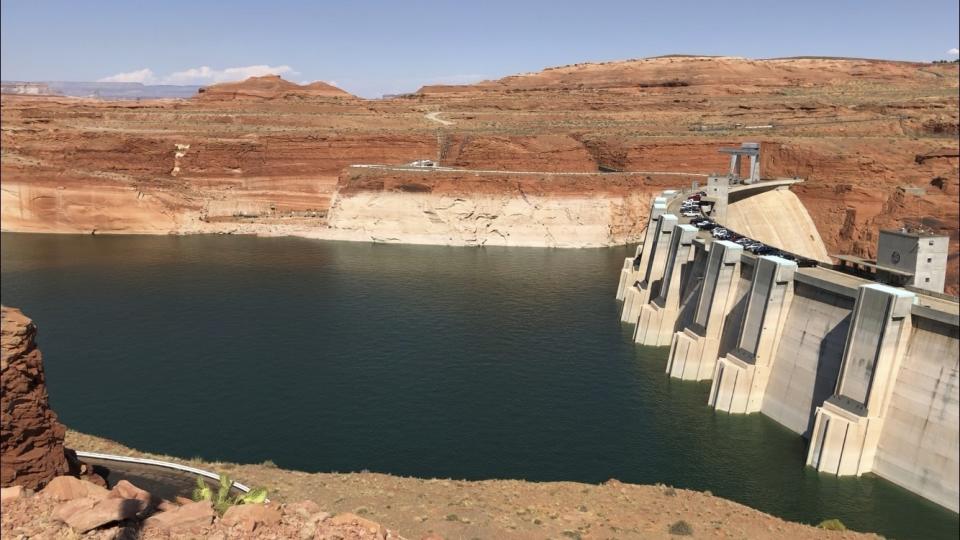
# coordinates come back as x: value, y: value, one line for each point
x: 868, y: 373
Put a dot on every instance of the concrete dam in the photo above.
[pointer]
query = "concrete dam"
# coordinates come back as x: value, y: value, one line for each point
x: 867, y: 372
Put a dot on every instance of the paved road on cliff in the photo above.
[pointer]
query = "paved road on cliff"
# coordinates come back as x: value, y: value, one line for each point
x: 434, y: 116
x: 408, y: 168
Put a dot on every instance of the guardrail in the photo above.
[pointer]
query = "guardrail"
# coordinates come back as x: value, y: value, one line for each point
x: 159, y: 463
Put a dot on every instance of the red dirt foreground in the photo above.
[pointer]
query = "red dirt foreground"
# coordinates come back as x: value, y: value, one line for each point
x: 69, y: 506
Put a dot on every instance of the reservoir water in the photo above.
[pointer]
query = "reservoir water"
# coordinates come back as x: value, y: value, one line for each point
x: 411, y: 360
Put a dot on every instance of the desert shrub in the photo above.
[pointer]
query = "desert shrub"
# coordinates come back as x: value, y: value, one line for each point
x: 832, y: 525
x: 681, y: 528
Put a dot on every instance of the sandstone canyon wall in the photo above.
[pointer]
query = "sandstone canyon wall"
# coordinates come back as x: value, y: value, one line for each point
x: 509, y: 209
x: 271, y: 157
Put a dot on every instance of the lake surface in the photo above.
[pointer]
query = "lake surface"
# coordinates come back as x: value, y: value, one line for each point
x: 411, y: 360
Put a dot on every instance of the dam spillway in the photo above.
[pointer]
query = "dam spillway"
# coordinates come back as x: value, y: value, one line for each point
x: 868, y: 373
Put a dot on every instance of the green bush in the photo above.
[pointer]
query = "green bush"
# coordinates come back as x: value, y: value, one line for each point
x: 832, y: 525
x: 222, y: 499
x: 681, y: 528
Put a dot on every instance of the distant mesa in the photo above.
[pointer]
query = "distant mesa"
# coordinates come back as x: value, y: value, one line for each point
x: 269, y: 87
x: 709, y: 74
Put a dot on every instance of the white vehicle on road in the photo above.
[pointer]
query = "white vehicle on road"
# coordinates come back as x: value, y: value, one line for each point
x: 720, y: 233
x: 424, y: 163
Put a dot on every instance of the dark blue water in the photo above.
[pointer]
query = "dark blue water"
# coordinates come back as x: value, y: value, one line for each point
x: 412, y: 360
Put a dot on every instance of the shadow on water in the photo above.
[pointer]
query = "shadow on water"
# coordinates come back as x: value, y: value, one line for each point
x: 412, y: 360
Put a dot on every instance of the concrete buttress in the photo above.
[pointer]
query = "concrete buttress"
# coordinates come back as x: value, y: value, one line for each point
x: 694, y: 349
x: 848, y: 425
x: 632, y: 265
x: 740, y: 378
x: 658, y: 318
x: 651, y: 274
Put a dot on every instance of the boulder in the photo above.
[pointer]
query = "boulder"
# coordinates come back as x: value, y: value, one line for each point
x: 31, y: 438
x: 193, y: 514
x: 306, y: 510
x: 303, y: 508
x: 348, y: 518
x: 87, y: 513
x: 308, y: 531
x: 166, y: 506
x: 71, y: 507
x: 65, y: 488
x: 13, y: 493
x: 126, y: 490
x: 85, y: 471
x: 251, y: 516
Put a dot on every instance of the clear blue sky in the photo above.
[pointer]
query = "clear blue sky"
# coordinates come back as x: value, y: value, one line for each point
x: 370, y: 48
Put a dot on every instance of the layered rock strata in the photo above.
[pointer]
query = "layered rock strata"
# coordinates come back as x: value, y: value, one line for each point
x: 31, y: 444
x: 460, y: 208
x: 876, y: 141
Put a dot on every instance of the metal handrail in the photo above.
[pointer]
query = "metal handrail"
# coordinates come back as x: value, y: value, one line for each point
x: 159, y: 463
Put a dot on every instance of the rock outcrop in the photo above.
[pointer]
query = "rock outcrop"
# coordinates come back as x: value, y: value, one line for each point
x: 31, y: 445
x: 31, y: 442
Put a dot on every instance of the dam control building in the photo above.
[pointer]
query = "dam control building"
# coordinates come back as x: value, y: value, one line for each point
x: 905, y: 258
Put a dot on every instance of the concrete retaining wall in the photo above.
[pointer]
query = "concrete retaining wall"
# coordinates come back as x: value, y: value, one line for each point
x: 777, y: 218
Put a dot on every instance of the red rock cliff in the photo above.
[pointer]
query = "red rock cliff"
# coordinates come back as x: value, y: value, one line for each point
x: 31, y: 441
